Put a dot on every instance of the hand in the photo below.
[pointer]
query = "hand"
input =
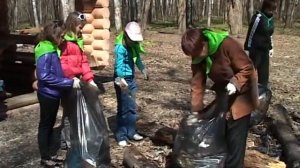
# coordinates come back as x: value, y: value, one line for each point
x: 231, y: 89
x: 93, y: 83
x: 121, y: 82
x: 146, y: 77
x: 76, y: 83
x: 271, y: 53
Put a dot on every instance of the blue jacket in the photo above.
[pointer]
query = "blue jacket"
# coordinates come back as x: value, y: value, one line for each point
x: 124, y: 63
x: 51, y: 80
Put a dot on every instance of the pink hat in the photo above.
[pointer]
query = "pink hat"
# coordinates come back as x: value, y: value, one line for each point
x: 134, y: 31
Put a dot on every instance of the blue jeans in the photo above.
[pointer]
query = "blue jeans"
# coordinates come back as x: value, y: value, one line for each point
x: 127, y: 111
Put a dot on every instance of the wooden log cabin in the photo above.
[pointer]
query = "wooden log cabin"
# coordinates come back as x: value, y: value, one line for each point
x: 17, y: 67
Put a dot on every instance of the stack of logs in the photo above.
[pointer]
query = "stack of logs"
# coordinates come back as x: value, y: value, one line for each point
x: 96, y: 32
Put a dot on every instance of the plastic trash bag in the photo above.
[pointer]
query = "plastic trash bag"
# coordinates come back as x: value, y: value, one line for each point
x: 260, y: 112
x: 200, y: 143
x: 89, y: 133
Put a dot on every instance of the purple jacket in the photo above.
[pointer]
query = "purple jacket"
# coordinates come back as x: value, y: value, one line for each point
x: 51, y: 80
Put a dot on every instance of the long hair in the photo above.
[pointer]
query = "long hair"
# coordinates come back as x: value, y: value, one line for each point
x: 52, y: 31
x: 73, y: 20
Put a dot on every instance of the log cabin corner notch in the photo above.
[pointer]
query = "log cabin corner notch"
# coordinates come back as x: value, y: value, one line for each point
x: 96, y: 32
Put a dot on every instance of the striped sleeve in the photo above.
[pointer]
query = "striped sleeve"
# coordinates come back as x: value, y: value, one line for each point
x: 253, y: 30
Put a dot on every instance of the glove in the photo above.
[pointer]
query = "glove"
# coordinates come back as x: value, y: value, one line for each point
x: 93, y: 83
x: 121, y: 82
x: 144, y: 71
x: 271, y: 53
x: 76, y: 82
x: 231, y: 89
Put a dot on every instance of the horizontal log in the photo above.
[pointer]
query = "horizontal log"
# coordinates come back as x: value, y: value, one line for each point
x: 88, y: 29
x: 134, y: 159
x: 103, y: 34
x: 20, y: 110
x: 255, y: 159
x: 284, y: 133
x: 88, y: 49
x: 87, y: 39
x: 101, y: 13
x: 101, y: 45
x: 21, y: 101
x: 89, y: 17
x: 101, y: 23
x: 102, y: 3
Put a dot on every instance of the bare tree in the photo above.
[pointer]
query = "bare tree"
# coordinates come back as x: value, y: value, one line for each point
x: 250, y: 9
x: 182, y: 16
x: 189, y: 11
x: 209, y: 13
x: 118, y: 20
x: 147, y: 5
x: 290, y: 11
x: 67, y: 6
x: 36, y: 20
x: 235, y: 17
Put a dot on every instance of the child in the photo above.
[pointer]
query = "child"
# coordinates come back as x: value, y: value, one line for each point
x: 127, y: 54
x: 223, y: 60
x: 259, y: 40
x: 50, y: 84
x: 74, y: 64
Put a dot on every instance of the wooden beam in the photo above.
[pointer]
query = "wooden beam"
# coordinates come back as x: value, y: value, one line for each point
x: 21, y: 101
x: 134, y: 159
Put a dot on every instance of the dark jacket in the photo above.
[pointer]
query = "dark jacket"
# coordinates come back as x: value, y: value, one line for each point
x: 260, y: 32
x: 230, y: 64
x: 50, y: 76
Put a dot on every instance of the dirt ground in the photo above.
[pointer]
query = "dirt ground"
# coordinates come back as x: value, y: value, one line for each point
x: 162, y: 100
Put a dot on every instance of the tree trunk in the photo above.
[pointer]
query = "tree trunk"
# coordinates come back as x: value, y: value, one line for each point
x: 67, y: 6
x: 182, y: 16
x: 209, y: 13
x: 250, y: 10
x: 235, y: 18
x: 290, y: 6
x: 36, y: 20
x: 147, y: 5
x: 203, y: 8
x: 13, y: 16
x: 189, y: 11
x: 118, y: 21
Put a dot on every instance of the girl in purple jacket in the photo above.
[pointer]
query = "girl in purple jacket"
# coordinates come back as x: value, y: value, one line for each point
x: 51, y: 82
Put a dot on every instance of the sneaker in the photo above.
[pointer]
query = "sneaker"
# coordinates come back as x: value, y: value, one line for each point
x: 137, y: 137
x: 122, y: 143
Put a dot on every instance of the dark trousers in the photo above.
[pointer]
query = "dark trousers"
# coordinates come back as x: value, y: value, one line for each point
x: 261, y: 61
x: 236, y: 138
x: 48, y: 112
x: 127, y: 111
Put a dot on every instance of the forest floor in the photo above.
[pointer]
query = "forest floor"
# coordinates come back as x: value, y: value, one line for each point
x: 162, y: 101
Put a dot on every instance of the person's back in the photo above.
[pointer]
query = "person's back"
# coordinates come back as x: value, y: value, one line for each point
x: 260, y: 31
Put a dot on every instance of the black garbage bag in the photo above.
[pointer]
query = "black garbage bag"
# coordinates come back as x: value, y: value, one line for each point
x: 200, y: 142
x: 258, y: 115
x: 89, y: 132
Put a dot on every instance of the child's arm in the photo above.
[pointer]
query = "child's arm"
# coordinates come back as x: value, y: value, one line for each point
x: 87, y: 74
x: 197, y: 87
x: 120, y: 52
x: 44, y: 75
x: 139, y: 63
